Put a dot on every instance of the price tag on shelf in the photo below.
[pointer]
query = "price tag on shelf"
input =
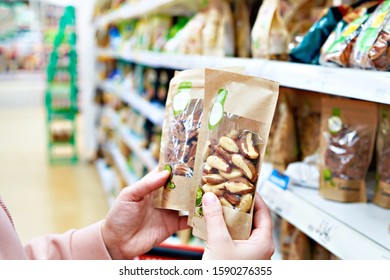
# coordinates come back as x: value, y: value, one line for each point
x: 273, y: 192
x: 322, y: 230
x: 278, y: 179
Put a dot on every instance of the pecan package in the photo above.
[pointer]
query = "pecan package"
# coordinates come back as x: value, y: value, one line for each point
x: 179, y: 138
x: 182, y: 121
x: 238, y: 112
x: 348, y: 133
x: 382, y: 192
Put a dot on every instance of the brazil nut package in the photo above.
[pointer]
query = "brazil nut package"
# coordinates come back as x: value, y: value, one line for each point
x: 382, y: 192
x: 182, y: 120
x: 348, y: 132
x: 238, y: 112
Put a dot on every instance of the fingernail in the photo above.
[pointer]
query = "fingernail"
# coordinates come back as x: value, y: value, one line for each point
x: 164, y: 173
x: 209, y: 198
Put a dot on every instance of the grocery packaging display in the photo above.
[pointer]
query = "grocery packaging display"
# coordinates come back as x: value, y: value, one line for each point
x: 382, y: 192
x: 348, y: 129
x: 269, y: 33
x: 370, y: 51
x: 282, y: 148
x: 237, y: 116
x: 308, y: 123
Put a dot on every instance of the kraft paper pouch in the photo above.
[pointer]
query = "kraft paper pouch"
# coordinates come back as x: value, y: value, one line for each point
x: 283, y: 149
x: 382, y: 192
x: 183, y: 114
x: 348, y: 133
x: 238, y: 112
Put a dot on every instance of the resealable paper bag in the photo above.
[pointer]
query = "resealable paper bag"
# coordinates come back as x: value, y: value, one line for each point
x: 238, y: 112
x: 348, y: 133
x: 269, y: 33
x: 382, y: 192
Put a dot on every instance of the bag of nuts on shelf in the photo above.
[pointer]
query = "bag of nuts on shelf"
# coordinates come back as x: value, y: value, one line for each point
x: 283, y: 147
x: 308, y: 118
x: 382, y: 192
x: 238, y: 112
x: 371, y: 48
x: 348, y: 133
x: 183, y: 113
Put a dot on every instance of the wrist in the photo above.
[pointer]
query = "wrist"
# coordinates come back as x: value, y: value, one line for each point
x: 111, y: 242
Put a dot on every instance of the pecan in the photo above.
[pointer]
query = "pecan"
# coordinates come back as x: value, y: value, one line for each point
x: 246, y: 166
x: 239, y: 186
x: 213, y: 179
x: 218, y: 190
x: 245, y: 203
x: 232, y: 198
x: 218, y: 163
x: 247, y: 147
x: 182, y: 170
x: 228, y: 144
x: 235, y: 173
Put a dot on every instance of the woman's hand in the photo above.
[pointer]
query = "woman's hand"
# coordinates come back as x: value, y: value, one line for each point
x: 133, y: 226
x: 259, y: 246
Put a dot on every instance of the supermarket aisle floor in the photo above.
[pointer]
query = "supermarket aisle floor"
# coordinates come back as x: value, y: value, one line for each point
x: 41, y: 198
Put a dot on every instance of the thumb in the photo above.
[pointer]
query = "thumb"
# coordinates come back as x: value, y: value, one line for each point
x: 215, y: 223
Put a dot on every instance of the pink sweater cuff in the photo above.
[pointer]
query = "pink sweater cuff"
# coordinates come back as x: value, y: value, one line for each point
x: 88, y: 244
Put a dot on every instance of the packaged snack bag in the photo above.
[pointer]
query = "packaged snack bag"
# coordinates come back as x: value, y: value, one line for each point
x: 364, y: 53
x: 242, y: 28
x: 179, y: 138
x: 308, y: 51
x: 218, y: 32
x: 238, y: 112
x: 320, y: 253
x: 269, y: 34
x: 283, y: 149
x: 348, y: 132
x: 308, y: 121
x: 286, y: 232
x: 382, y: 192
x: 183, y: 114
x: 339, y: 45
x: 379, y: 54
x: 300, y: 248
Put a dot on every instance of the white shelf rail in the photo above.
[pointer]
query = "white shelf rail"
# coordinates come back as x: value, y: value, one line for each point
x: 349, y: 230
x: 149, y: 110
x: 351, y: 83
x: 142, y: 8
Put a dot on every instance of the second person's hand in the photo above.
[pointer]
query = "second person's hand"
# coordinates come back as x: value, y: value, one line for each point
x: 259, y: 246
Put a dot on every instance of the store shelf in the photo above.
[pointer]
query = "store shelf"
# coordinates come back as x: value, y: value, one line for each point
x: 142, y: 8
x: 120, y: 162
x: 21, y: 75
x: 107, y: 178
x: 151, y: 111
x: 135, y: 146
x: 349, y: 230
x: 352, y: 83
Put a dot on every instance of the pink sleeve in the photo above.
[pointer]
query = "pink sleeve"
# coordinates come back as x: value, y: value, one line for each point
x: 84, y: 244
